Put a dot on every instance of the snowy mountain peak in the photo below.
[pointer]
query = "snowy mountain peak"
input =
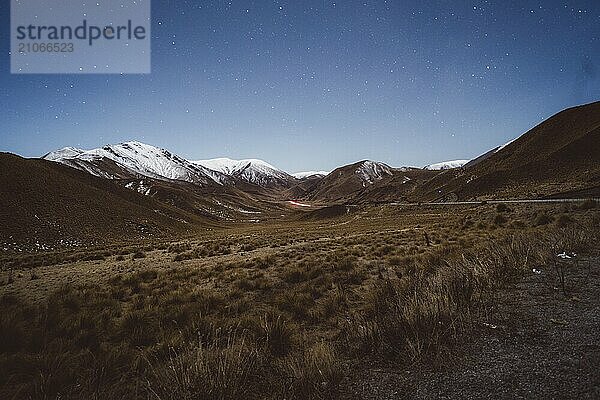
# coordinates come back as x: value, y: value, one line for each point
x: 223, y: 164
x: 137, y: 152
x: 139, y: 159
x: 306, y: 174
x: 135, y: 160
x: 446, y: 165
x: 251, y: 170
x: 229, y: 166
x: 65, y: 152
x: 371, y: 171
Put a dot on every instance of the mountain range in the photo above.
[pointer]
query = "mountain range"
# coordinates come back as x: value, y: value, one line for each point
x: 109, y: 190
x: 134, y: 159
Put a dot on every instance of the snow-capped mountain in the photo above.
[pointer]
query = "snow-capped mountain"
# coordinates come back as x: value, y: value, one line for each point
x: 135, y: 159
x: 371, y: 171
x: 64, y: 153
x: 253, y: 171
x: 306, y: 174
x: 446, y: 165
x: 346, y: 181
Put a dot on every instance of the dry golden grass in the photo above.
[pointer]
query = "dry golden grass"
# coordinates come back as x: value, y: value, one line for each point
x: 275, y: 311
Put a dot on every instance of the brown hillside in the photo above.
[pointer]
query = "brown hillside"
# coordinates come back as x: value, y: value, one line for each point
x: 49, y: 203
x: 343, y: 183
x: 560, y: 155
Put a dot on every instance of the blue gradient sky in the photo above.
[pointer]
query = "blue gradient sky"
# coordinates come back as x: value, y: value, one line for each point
x: 317, y: 84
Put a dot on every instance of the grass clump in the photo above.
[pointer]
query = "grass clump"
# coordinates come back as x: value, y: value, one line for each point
x: 542, y: 219
x: 316, y: 374
x: 220, y: 371
x: 277, y: 334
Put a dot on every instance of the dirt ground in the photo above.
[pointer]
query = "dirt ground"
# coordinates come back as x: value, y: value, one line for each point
x: 537, y: 343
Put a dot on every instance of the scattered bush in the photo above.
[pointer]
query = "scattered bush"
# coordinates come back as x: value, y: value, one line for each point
x: 178, y: 247
x: 93, y: 257
x: 296, y: 275
x: 501, y: 208
x: 563, y: 220
x: 500, y: 219
x: 542, y: 219
x: 137, y: 328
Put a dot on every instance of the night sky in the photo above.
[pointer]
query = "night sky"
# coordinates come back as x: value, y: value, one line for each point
x: 316, y: 84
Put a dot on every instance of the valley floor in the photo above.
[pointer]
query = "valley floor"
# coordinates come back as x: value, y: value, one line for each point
x: 380, y: 302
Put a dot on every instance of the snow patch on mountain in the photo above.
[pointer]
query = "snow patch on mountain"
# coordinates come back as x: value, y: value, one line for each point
x: 230, y: 167
x: 306, y: 174
x: 505, y: 144
x: 446, y: 165
x: 66, y: 152
x: 371, y: 171
x: 139, y: 187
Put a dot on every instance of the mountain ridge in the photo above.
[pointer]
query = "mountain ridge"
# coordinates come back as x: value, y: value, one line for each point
x: 139, y: 159
x: 558, y: 155
x: 366, y: 180
x: 252, y: 170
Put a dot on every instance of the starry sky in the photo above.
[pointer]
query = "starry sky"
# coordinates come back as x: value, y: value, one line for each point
x: 309, y: 85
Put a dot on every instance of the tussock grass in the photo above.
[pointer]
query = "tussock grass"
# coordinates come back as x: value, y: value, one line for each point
x: 220, y: 371
x: 277, y: 334
x: 315, y: 374
x: 429, y: 309
x: 280, y: 318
